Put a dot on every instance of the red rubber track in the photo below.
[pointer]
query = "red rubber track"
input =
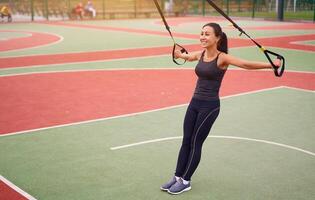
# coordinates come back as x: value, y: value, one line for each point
x: 7, y: 193
x: 62, y: 98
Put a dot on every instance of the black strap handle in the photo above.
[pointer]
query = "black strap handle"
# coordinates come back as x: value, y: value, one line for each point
x: 182, y: 50
x: 277, y: 70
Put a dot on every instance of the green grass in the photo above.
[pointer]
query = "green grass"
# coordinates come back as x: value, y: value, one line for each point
x: 299, y: 15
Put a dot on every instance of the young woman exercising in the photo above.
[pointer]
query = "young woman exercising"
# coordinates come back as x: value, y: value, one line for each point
x: 204, y: 107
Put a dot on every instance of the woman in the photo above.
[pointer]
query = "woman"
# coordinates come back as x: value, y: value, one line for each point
x: 205, y: 104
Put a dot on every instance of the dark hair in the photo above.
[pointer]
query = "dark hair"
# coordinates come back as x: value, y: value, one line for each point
x: 223, y: 43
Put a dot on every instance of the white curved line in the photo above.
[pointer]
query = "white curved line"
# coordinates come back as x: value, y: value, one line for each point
x: 61, y: 38
x: 216, y: 136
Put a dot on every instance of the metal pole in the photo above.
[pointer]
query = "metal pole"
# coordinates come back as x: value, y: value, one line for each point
x: 239, y: 5
x: 32, y: 9
x: 228, y: 7
x: 103, y: 9
x: 254, y: 8
x: 280, y: 10
x: 203, y: 7
x: 69, y: 10
x: 135, y: 7
x: 46, y: 9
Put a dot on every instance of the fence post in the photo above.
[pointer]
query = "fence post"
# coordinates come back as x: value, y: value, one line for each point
x: 103, y: 9
x: 254, y: 8
x: 135, y: 7
x: 228, y: 7
x: 203, y: 7
x: 32, y: 9
x: 69, y: 9
x: 280, y: 10
x: 239, y: 5
x: 46, y: 9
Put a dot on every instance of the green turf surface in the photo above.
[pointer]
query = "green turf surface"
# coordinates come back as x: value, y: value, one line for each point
x: 76, y: 162
x: 310, y: 42
x: 288, y: 15
x: 11, y: 35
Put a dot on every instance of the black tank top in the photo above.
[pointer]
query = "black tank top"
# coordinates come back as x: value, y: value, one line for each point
x: 209, y: 79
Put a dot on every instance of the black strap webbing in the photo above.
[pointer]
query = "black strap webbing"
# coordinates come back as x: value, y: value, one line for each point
x: 277, y: 70
x: 182, y: 49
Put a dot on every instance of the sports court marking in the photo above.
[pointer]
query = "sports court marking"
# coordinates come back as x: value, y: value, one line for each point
x: 8, y: 194
x: 287, y: 42
x: 111, y: 68
x: 104, y: 102
x: 229, y: 137
x: 28, y: 196
x: 305, y: 42
x: 121, y: 29
x: 215, y: 136
x: 98, y: 61
x: 144, y: 112
x: 32, y: 40
x: 101, y: 55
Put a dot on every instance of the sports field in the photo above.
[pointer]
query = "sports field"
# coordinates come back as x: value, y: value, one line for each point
x: 94, y: 110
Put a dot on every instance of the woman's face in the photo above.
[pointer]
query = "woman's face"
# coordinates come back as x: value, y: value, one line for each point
x: 208, y: 38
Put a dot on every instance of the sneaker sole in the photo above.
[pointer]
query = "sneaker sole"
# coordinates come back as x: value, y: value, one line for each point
x: 185, y: 190
x: 164, y: 189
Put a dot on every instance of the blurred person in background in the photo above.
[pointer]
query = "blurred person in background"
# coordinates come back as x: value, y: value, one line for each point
x: 90, y: 8
x: 6, y: 12
x: 78, y: 11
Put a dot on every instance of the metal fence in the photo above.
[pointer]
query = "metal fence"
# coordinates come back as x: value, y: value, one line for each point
x: 112, y: 9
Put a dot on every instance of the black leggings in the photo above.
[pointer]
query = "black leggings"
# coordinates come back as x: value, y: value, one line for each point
x: 199, y: 118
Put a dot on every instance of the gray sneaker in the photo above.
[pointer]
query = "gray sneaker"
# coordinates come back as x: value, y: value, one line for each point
x: 169, y: 184
x: 179, y: 187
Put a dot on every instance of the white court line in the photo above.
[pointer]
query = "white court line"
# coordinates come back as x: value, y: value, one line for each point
x: 145, y: 112
x: 304, y: 42
x: 61, y: 38
x: 110, y: 69
x: 299, y: 89
x: 16, y: 188
x: 130, y: 115
x: 96, y: 51
x: 215, y: 136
